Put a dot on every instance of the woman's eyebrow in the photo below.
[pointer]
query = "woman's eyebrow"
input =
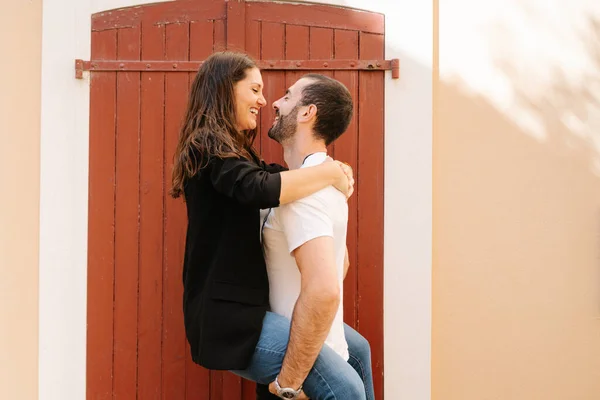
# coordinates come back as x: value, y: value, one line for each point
x: 256, y: 83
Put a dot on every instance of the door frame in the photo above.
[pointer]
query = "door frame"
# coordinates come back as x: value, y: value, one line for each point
x: 64, y: 197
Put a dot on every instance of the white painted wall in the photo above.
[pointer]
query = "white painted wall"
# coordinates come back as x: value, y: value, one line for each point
x: 63, y: 202
x: 64, y: 196
x: 64, y: 182
x: 408, y: 197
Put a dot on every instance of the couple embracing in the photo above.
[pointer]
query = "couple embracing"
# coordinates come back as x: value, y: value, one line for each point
x: 265, y: 252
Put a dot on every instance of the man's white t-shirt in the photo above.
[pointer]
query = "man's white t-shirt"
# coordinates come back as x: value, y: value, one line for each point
x: 288, y: 227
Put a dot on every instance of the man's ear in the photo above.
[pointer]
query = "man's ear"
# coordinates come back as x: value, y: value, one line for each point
x: 307, y: 113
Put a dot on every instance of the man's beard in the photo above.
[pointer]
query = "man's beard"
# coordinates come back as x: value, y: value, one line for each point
x: 285, y: 127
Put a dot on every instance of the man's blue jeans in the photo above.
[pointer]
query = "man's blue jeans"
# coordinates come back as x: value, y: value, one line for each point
x: 330, y: 378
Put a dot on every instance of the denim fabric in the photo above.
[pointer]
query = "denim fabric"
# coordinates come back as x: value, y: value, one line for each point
x: 330, y: 378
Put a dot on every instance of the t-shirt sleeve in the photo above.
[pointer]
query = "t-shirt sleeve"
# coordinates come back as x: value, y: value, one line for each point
x: 246, y: 182
x: 306, y: 219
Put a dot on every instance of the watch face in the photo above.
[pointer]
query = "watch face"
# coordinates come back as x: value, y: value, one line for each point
x: 288, y: 394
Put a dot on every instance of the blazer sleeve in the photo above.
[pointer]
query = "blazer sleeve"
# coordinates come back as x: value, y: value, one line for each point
x: 246, y: 182
x: 272, y: 167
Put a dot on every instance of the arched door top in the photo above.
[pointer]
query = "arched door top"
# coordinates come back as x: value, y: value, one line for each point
x: 238, y: 14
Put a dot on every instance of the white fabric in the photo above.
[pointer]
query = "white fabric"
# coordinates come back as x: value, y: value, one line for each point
x: 288, y: 227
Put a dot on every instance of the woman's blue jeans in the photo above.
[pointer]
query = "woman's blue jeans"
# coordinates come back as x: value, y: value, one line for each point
x: 330, y: 378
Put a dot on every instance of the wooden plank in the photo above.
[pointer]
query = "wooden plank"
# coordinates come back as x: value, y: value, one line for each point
x: 316, y: 15
x: 273, y: 47
x: 253, y: 38
x: 232, y: 386
x: 248, y: 390
x: 296, y: 42
x: 201, y: 40
x: 182, y: 11
x: 236, y: 29
x: 253, y: 45
x: 216, y: 385
x: 197, y: 379
x: 321, y: 47
x: 219, y: 39
x: 272, y: 41
x: 346, y: 149
x: 126, y: 218
x: 297, y: 47
x: 101, y: 224
x: 151, y: 217
x: 174, y: 341
x: 321, y: 44
x: 370, y: 204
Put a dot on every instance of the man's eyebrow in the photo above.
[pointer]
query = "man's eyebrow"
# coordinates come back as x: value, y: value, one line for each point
x: 288, y: 93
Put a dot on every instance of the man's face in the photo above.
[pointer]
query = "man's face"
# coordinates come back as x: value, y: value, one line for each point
x: 286, y: 112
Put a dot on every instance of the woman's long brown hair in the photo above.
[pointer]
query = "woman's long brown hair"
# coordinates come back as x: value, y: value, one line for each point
x: 209, y: 128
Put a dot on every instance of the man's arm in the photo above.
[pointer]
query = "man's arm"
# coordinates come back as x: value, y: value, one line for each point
x: 314, y: 311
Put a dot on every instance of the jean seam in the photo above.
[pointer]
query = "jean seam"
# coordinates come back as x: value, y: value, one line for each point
x: 362, y: 368
x: 327, y: 383
x: 270, y: 351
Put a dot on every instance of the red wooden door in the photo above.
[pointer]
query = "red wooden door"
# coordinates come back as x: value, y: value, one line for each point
x: 136, y: 347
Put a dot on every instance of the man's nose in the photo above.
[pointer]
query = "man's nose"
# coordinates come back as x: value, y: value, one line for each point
x: 276, y: 105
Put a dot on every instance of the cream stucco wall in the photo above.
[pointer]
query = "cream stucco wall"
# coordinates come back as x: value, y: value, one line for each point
x: 516, y: 289
x: 20, y: 75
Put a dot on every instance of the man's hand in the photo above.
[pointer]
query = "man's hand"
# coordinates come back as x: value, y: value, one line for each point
x: 301, y: 396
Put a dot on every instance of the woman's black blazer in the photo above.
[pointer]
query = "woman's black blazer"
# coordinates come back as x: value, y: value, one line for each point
x: 226, y: 289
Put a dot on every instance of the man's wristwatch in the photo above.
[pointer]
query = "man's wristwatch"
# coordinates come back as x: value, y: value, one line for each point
x: 287, y: 393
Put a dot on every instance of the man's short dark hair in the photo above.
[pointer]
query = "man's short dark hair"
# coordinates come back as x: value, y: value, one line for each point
x: 334, y: 106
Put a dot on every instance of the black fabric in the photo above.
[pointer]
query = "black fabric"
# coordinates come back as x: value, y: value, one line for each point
x: 262, y: 393
x: 303, y: 161
x: 226, y: 289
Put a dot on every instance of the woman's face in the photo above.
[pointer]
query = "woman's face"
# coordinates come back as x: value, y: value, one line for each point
x: 249, y: 99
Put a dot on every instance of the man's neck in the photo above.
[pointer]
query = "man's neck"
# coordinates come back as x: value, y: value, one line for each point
x: 294, y: 152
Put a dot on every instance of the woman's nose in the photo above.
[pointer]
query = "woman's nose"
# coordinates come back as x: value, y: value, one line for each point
x: 262, y: 101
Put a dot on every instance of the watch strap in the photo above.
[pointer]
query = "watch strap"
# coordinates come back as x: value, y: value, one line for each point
x: 279, y: 388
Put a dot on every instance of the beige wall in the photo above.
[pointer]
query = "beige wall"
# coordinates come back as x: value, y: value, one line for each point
x: 20, y: 77
x: 516, y: 255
